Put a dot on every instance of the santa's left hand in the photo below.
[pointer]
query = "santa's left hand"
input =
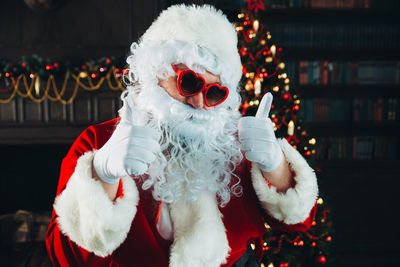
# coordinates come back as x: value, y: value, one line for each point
x: 257, y: 137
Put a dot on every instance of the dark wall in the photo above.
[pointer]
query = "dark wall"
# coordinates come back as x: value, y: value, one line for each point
x: 77, y: 29
x: 29, y: 176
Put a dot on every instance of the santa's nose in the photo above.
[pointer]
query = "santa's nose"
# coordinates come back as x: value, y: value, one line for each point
x: 196, y: 101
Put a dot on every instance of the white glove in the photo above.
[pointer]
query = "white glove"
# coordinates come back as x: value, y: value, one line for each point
x: 130, y: 150
x: 257, y: 137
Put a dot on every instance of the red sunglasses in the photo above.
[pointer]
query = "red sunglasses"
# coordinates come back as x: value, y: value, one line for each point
x: 190, y: 83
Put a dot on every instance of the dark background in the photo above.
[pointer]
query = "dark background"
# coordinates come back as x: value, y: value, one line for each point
x: 362, y: 194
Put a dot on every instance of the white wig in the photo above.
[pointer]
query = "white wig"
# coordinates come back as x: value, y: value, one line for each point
x: 204, y: 40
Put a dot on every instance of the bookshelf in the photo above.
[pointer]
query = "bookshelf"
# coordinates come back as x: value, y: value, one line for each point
x: 359, y: 155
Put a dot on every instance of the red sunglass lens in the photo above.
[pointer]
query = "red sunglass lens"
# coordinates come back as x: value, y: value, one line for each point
x: 190, y: 84
x: 216, y: 95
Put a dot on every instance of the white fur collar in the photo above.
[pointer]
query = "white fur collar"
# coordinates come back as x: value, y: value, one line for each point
x: 199, y: 233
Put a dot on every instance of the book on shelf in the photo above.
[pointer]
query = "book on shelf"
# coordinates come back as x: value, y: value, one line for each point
x: 363, y: 147
x: 357, y: 109
x: 339, y: 110
x: 318, y: 3
x: 358, y: 148
x: 377, y: 113
x: 375, y: 38
x: 392, y: 109
x: 360, y: 72
x: 320, y: 110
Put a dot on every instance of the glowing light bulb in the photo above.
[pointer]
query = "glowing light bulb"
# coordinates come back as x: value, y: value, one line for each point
x: 256, y: 25
x: 290, y: 128
x: 83, y: 74
x: 257, y: 87
x: 273, y: 49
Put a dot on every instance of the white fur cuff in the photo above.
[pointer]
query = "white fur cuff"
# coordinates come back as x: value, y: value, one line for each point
x: 295, y: 204
x: 87, y: 215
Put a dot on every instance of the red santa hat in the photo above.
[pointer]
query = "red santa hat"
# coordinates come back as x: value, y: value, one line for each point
x: 203, y: 26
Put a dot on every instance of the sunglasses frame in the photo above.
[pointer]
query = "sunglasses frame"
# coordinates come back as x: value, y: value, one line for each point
x: 205, y: 88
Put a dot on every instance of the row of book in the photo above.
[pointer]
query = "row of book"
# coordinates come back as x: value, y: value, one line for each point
x: 330, y: 73
x: 327, y: 3
x: 350, y: 110
x: 358, y: 147
x: 335, y: 36
x: 318, y: 3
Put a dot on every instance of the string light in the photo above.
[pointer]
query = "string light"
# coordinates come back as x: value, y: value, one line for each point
x: 273, y: 49
x: 312, y: 141
x: 83, y: 74
x: 38, y: 84
x: 239, y: 28
x: 257, y: 87
x: 256, y: 25
x: 290, y: 130
x: 320, y: 201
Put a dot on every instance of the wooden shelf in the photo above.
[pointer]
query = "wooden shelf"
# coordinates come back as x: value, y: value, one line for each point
x: 353, y: 128
x: 342, y: 54
x: 349, y: 91
x: 26, y: 134
x: 321, y: 15
x: 393, y: 164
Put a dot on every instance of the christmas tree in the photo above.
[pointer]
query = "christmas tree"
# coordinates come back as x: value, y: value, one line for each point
x: 264, y: 71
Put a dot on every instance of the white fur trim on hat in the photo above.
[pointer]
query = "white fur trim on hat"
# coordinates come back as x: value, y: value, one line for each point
x: 87, y: 215
x: 295, y: 204
x: 203, y: 26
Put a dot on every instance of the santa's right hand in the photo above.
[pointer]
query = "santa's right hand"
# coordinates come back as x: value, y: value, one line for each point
x: 130, y: 150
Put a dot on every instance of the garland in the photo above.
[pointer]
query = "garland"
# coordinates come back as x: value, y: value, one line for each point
x: 36, y: 78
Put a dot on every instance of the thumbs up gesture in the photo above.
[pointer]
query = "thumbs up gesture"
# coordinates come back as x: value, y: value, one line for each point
x: 130, y: 150
x: 257, y: 137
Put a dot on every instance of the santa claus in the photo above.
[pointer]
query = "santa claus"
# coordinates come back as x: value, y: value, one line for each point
x: 179, y: 179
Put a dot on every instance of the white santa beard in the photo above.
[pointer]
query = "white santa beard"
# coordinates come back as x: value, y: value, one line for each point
x: 199, y: 148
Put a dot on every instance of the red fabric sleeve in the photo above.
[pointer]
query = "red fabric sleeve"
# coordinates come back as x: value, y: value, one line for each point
x: 281, y: 226
x: 63, y: 251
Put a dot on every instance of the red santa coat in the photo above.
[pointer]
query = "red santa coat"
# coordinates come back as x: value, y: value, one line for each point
x: 73, y: 235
